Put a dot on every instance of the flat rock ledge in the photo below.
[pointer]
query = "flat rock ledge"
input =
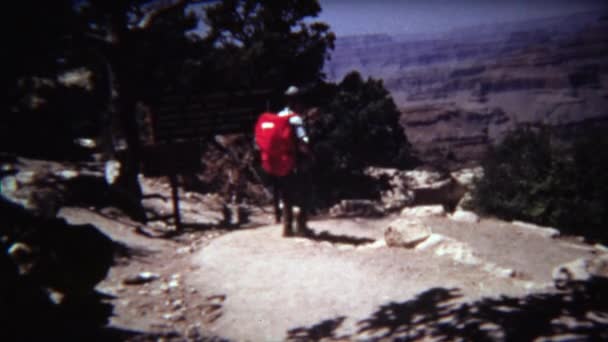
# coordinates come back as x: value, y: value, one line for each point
x: 547, y: 232
x: 414, y: 234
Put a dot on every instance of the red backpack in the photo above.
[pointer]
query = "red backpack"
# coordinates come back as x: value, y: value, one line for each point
x: 273, y: 135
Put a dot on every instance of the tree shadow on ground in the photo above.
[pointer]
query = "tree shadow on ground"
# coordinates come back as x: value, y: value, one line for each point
x: 344, y: 239
x: 48, y: 270
x: 579, y: 312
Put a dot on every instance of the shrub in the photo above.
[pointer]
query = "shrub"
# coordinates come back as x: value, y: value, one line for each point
x: 530, y: 176
x: 358, y: 126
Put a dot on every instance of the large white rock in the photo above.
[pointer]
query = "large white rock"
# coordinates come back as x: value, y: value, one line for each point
x: 406, y: 232
x: 464, y: 216
x: 424, y: 211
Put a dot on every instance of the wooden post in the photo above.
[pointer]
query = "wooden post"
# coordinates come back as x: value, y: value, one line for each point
x: 175, y: 197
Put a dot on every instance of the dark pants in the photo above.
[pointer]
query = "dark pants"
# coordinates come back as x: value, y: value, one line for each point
x: 292, y: 191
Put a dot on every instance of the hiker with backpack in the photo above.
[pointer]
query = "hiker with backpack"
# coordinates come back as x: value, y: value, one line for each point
x: 285, y: 156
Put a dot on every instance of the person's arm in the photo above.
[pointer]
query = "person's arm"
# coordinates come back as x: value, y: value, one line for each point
x: 298, y: 125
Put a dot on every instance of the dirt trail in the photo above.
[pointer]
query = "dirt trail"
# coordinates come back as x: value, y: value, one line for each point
x: 252, y: 284
x: 272, y: 284
x: 255, y: 285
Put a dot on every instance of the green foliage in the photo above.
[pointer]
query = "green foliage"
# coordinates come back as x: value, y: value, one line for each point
x: 530, y: 177
x: 104, y: 41
x: 358, y: 126
x: 267, y: 43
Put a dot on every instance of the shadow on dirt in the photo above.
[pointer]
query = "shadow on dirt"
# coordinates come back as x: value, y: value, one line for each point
x: 579, y: 312
x: 344, y: 239
x: 48, y: 271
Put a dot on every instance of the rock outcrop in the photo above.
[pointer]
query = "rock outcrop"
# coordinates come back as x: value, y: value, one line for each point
x: 424, y: 211
x: 423, y: 187
x: 582, y: 269
x: 357, y: 208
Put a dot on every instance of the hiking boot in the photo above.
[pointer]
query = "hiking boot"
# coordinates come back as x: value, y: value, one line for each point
x: 288, y: 232
x: 305, y: 232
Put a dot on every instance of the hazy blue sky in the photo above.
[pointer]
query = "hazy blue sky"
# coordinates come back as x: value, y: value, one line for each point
x: 429, y: 16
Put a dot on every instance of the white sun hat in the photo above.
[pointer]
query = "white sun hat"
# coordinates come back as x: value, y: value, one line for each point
x: 292, y: 90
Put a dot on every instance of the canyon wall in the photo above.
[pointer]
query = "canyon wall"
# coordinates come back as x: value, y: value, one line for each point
x: 462, y: 90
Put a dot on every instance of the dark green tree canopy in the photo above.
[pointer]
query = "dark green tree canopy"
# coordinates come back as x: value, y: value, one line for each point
x: 269, y: 43
x: 359, y: 126
x: 532, y: 176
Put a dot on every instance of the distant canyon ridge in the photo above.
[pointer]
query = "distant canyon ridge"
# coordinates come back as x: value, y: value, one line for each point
x: 462, y: 90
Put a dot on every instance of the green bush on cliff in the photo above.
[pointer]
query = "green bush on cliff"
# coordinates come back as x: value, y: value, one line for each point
x: 529, y: 176
x: 357, y: 126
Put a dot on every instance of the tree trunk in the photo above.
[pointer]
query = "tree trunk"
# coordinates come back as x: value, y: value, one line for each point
x: 127, y: 183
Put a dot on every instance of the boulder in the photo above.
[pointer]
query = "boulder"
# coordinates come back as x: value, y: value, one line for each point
x: 424, y: 211
x: 357, y: 207
x: 464, y: 216
x: 406, y: 233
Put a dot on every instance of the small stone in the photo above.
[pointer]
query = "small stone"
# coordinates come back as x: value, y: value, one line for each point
x: 184, y: 250
x: 193, y: 332
x: 572, y: 271
x: 174, y: 316
x: 55, y: 297
x: 140, y: 278
x: 20, y: 251
x: 68, y: 174
x: 458, y: 251
x: 25, y: 177
x: 178, y: 303
x: 173, y: 284
x: 600, y: 247
x: 424, y: 211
